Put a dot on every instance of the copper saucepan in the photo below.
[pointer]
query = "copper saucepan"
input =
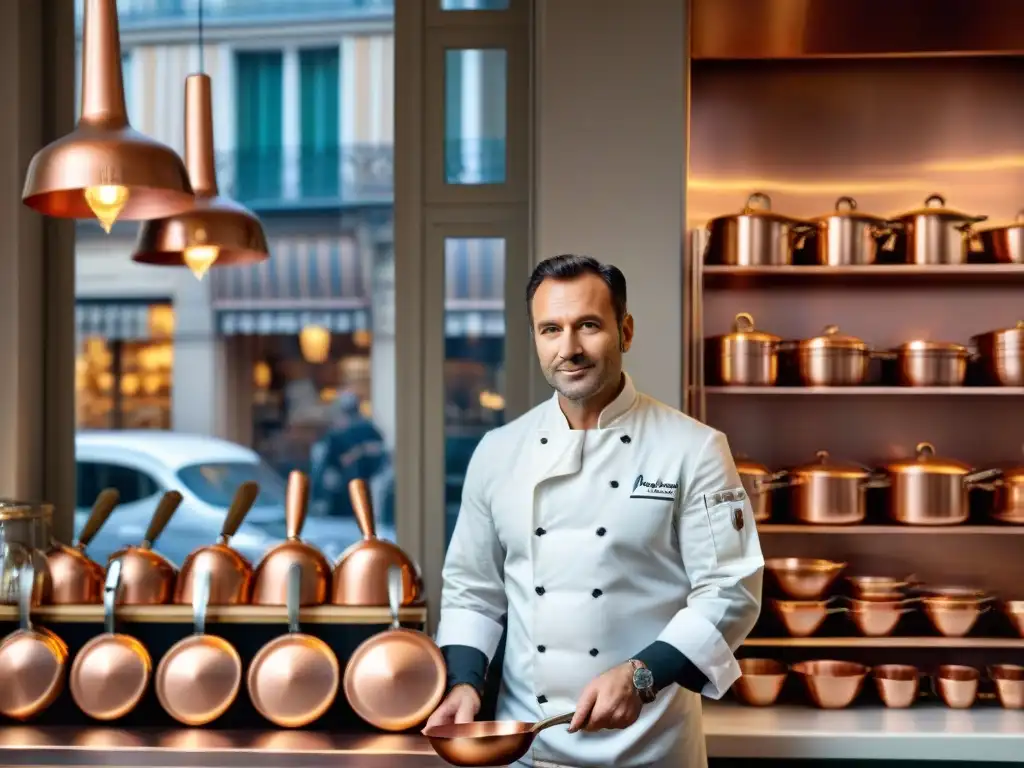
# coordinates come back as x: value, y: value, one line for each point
x: 32, y: 661
x: 199, y: 677
x: 147, y: 577
x: 361, y: 574
x: 111, y: 673
x: 485, y: 743
x: 293, y: 679
x: 76, y: 578
x: 231, y: 582
x: 395, y: 679
x: 270, y: 583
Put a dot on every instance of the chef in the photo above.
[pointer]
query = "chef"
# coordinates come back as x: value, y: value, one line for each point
x: 614, y: 535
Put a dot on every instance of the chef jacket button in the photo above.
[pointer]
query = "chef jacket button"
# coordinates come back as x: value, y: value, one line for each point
x: 539, y: 590
x: 626, y: 439
x: 614, y: 483
x: 601, y: 531
x: 593, y: 651
x: 540, y: 532
x: 597, y: 593
x: 541, y: 649
x: 542, y: 699
x: 543, y: 441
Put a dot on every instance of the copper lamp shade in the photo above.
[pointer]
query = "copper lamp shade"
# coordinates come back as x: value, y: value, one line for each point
x: 104, y: 160
x: 215, y: 231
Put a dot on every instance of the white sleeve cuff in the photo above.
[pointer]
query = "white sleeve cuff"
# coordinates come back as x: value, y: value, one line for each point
x: 459, y: 626
x: 697, y: 638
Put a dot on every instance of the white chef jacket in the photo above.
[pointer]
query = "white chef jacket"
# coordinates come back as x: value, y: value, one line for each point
x: 596, y: 543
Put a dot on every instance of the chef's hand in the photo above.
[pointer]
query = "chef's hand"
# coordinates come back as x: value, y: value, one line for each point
x: 459, y: 706
x: 608, y: 701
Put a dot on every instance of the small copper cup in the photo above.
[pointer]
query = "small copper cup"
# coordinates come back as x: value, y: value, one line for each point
x: 956, y: 685
x: 898, y: 684
x: 761, y: 681
x: 1009, y: 682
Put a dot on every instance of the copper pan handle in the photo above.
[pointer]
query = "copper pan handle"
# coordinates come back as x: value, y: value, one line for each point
x: 245, y: 497
x: 201, y: 578
x: 359, y: 495
x: 395, y: 594
x: 296, y: 499
x: 101, y: 510
x: 110, y: 590
x: 167, y: 507
x: 556, y: 720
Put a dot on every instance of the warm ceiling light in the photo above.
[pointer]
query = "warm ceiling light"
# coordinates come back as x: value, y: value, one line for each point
x: 215, y: 231
x: 315, y: 343
x: 104, y: 168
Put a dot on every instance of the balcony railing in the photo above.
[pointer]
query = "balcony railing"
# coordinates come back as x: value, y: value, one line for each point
x: 144, y: 14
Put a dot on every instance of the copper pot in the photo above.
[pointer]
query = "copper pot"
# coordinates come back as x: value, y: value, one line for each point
x: 831, y: 684
x: 745, y: 357
x: 802, y: 618
x: 361, y: 574
x: 1001, y: 354
x: 1008, y: 503
x: 270, y: 579
x: 1005, y: 244
x: 1014, y: 610
x: 832, y: 359
x: 76, y: 578
x: 230, y: 572
x: 760, y: 681
x: 953, y: 616
x: 759, y: 482
x: 956, y: 685
x: 928, y: 490
x: 848, y: 237
x: 938, y: 235
x: 828, y: 492
x: 756, y: 237
x: 803, y: 578
x: 898, y: 684
x: 877, y: 617
x: 1009, y: 684
x: 930, y: 364
x: 147, y: 577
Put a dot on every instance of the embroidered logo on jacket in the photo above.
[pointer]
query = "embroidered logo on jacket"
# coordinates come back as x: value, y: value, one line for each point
x: 656, y: 489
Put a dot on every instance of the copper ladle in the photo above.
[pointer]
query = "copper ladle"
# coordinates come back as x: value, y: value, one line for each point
x: 147, y: 577
x: 488, y: 742
x: 77, y: 579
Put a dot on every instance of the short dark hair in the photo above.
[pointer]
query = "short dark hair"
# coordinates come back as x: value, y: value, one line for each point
x: 567, y: 266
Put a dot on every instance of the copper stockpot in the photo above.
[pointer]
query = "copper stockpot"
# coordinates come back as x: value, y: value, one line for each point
x: 76, y: 578
x: 930, y: 364
x: 877, y: 617
x: 756, y: 237
x: 270, y: 579
x: 803, y: 578
x: 1005, y: 243
x: 802, y: 618
x: 848, y: 237
x: 760, y: 681
x: 898, y: 684
x: 937, y: 235
x: 1008, y: 502
x: 828, y: 492
x: 831, y: 684
x: 147, y: 577
x: 1001, y: 354
x: 1009, y: 684
x: 1014, y: 610
x: 230, y: 572
x: 929, y: 490
x: 953, y: 616
x: 759, y: 482
x: 833, y: 359
x: 956, y: 685
x: 361, y: 573
x: 745, y: 357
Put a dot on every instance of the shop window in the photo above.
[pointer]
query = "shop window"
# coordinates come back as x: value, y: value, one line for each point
x: 132, y: 484
x: 475, y: 118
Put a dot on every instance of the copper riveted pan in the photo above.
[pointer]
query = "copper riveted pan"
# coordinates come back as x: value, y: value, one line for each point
x: 199, y: 677
x: 147, y: 577
x: 395, y: 679
x: 361, y: 573
x: 270, y: 583
x: 111, y: 673
x: 76, y: 579
x: 745, y: 357
x: 488, y: 742
x: 231, y: 572
x: 293, y: 679
x: 32, y: 661
x: 1002, y: 355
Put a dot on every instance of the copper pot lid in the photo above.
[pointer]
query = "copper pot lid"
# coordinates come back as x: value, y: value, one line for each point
x: 743, y: 329
x: 1005, y: 337
x: 833, y: 338
x: 759, y: 205
x: 826, y: 466
x: 923, y: 346
x: 846, y: 208
x: 935, y: 205
x: 1018, y: 221
x: 746, y: 466
x: 925, y: 461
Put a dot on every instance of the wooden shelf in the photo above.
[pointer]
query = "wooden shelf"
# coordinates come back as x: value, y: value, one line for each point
x: 877, y: 274
x: 226, y: 614
x: 884, y: 642
x: 869, y: 391
x: 899, y: 530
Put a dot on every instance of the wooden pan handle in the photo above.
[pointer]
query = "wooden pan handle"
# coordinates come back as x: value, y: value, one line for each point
x: 101, y: 510
x: 359, y: 495
x: 296, y: 500
x: 245, y: 497
x: 168, y: 506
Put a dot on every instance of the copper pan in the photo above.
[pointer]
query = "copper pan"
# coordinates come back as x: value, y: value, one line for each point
x: 293, y: 679
x: 231, y: 573
x: 111, y: 673
x: 199, y: 677
x: 147, y: 577
x: 77, y: 579
x: 270, y: 583
x: 361, y: 573
x: 395, y: 679
x: 32, y: 661
x: 488, y: 742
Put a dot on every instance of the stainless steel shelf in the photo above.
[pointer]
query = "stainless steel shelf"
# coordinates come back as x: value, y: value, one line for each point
x: 869, y: 391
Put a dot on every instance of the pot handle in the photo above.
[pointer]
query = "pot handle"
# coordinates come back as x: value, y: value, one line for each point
x: 757, y: 201
x: 976, y: 479
x: 935, y: 201
x: 743, y: 322
x: 884, y: 355
x: 829, y: 611
x: 876, y: 480
x: 924, y: 450
x: 846, y: 203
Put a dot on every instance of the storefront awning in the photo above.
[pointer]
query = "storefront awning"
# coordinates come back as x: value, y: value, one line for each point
x: 114, y: 320
x: 273, y: 322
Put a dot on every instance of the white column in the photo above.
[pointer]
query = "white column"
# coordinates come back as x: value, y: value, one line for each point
x: 197, y: 360
x: 471, y: 87
x: 291, y: 124
x: 383, y: 380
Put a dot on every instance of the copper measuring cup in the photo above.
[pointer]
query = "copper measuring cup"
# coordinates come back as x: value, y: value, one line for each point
x: 395, y: 679
x: 360, y: 575
x: 270, y: 582
x: 293, y: 679
x: 77, y: 579
x: 32, y: 661
x: 485, y: 743
x: 199, y: 677
x: 147, y: 577
x: 111, y: 673
x: 231, y: 573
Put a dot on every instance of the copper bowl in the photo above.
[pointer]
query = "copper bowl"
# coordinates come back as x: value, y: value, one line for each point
x: 1009, y: 682
x: 871, y: 586
x: 761, y: 681
x: 1014, y: 610
x: 898, y: 684
x: 804, y: 578
x: 831, y: 684
x: 956, y: 685
x: 802, y: 618
x: 877, y: 617
x: 953, y: 616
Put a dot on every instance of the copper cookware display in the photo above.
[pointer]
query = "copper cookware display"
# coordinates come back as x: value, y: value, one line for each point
x: 485, y: 743
x: 361, y: 573
x: 77, y: 579
x: 831, y: 684
x: 744, y: 357
x: 953, y: 616
x: 271, y: 579
x: 898, y: 684
x: 756, y: 237
x: 1009, y: 684
x: 803, y: 578
x: 929, y: 490
x: 802, y: 618
x: 32, y: 661
x: 877, y: 616
x: 937, y: 235
x: 1001, y: 354
x: 830, y: 492
x: 849, y: 237
x: 1005, y: 244
x: 759, y: 482
x: 147, y: 577
x: 232, y: 573
x: 760, y: 681
x: 111, y: 673
x: 956, y: 685
x: 293, y: 679
x: 930, y: 364
x: 198, y: 679
x: 832, y: 359
x: 395, y: 679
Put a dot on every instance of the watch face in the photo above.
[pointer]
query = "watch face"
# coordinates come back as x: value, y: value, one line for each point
x: 642, y: 679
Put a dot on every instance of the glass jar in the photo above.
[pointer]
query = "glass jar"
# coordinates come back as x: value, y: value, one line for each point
x: 25, y: 536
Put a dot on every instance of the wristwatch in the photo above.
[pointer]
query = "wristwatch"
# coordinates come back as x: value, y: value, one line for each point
x: 643, y: 681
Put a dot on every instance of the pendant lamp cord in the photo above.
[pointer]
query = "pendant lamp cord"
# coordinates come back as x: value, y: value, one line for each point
x: 202, y: 63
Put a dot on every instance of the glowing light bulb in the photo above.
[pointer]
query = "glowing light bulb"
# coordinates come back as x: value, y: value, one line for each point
x: 106, y: 201
x: 199, y: 258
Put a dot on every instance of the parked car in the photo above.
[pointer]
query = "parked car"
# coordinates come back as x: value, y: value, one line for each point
x: 144, y: 464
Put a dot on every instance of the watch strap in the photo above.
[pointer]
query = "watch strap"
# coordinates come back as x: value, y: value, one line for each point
x: 647, y: 693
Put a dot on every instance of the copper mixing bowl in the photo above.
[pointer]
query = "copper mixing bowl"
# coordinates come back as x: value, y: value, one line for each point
x: 831, y: 684
x: 877, y: 617
x: 1014, y: 610
x: 957, y: 685
x: 802, y: 618
x: 953, y: 616
x: 803, y: 578
x: 761, y: 681
x: 1009, y: 682
x: 898, y: 684
x: 871, y: 586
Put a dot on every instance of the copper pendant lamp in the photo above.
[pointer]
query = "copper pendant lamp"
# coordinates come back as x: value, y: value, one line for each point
x: 215, y: 231
x: 104, y: 168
